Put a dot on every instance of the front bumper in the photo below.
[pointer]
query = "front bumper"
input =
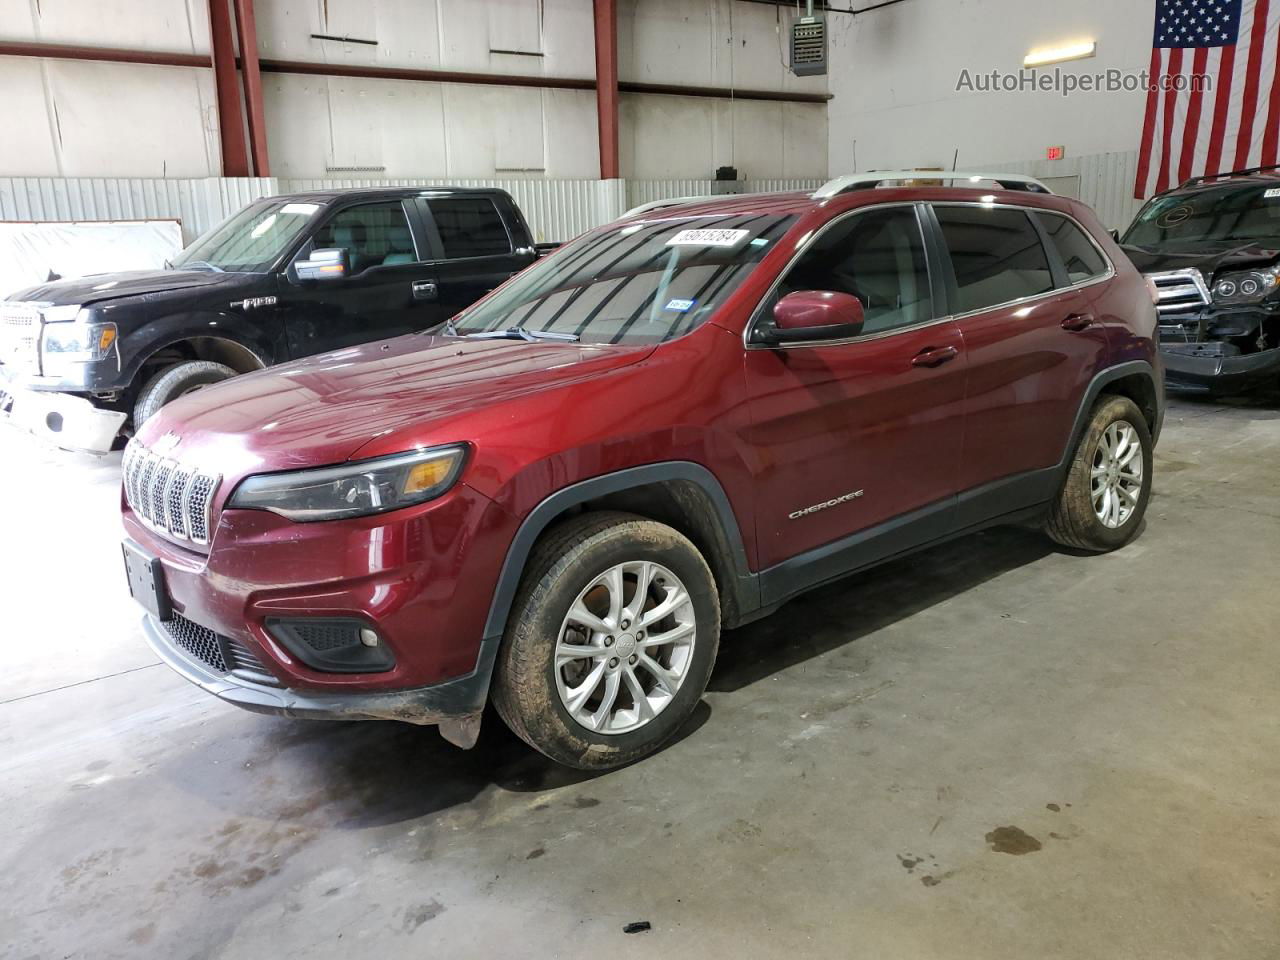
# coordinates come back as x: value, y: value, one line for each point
x: 454, y: 705
x: 62, y: 419
x: 1199, y: 367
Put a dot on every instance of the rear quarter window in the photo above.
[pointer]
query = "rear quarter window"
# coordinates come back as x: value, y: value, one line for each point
x: 996, y: 253
x: 1079, y: 255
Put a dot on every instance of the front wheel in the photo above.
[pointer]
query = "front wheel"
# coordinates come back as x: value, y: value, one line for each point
x: 176, y: 381
x: 1103, y: 499
x: 610, y: 643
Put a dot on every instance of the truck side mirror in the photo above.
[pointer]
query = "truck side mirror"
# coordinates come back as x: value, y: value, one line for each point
x: 331, y: 264
x: 814, y: 315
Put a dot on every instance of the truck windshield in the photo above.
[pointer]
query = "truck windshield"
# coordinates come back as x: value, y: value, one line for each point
x: 635, y: 283
x: 249, y: 241
x: 1228, y: 215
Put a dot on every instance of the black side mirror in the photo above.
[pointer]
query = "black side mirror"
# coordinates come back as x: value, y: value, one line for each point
x: 331, y: 264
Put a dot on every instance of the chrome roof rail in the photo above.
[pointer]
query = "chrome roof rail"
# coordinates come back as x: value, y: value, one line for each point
x: 864, y: 181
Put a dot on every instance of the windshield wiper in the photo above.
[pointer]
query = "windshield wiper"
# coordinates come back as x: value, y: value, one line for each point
x: 520, y: 333
x: 203, y: 263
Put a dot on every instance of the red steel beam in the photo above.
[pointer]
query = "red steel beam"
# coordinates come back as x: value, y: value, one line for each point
x: 606, y: 22
x: 235, y: 160
x: 61, y: 51
x: 55, y: 51
x: 248, y: 33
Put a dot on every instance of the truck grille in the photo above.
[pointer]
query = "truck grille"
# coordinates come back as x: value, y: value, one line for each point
x: 20, y: 336
x: 1182, y: 293
x: 171, y: 499
x: 216, y: 651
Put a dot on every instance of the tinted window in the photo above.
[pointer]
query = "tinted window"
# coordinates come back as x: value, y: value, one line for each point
x: 469, y: 227
x: 635, y: 283
x: 1079, y: 255
x: 877, y: 257
x: 997, y: 255
x: 373, y: 234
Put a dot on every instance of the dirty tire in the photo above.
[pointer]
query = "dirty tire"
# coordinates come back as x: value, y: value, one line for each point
x: 562, y: 564
x: 172, y: 382
x: 1072, y: 521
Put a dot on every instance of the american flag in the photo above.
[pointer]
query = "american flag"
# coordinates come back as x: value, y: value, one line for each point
x: 1229, y: 124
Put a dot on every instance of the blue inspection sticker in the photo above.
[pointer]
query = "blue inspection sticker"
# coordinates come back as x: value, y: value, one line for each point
x: 680, y: 305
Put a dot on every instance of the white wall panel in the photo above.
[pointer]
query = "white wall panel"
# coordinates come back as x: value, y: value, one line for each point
x: 1105, y: 181
x: 169, y: 25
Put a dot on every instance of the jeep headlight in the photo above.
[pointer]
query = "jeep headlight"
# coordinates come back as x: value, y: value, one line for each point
x: 69, y: 337
x: 353, y: 489
x: 1250, y: 286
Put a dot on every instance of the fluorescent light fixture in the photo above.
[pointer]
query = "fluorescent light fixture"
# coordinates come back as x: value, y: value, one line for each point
x: 1070, y: 51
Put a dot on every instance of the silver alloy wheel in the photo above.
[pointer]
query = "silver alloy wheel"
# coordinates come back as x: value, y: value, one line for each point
x: 1116, y: 478
x: 625, y: 647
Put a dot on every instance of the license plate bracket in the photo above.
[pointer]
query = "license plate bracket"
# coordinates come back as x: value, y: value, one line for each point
x: 146, y: 580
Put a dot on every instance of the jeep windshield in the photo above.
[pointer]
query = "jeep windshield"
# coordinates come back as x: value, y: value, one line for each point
x: 631, y: 284
x: 249, y: 241
x: 1216, y: 217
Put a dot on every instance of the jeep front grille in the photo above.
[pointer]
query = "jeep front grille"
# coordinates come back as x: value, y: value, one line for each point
x: 20, y: 336
x: 1181, y: 293
x: 172, y: 499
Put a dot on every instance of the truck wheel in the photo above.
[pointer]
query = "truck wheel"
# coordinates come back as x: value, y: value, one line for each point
x: 175, y: 381
x: 1105, y: 494
x: 610, y: 642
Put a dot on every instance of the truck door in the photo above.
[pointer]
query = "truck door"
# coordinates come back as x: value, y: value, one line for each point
x: 388, y: 290
x: 476, y: 249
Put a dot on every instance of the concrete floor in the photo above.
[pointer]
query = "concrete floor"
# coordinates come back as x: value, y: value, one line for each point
x: 994, y: 749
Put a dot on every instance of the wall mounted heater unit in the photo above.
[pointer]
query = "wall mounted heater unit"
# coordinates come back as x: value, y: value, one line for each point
x: 809, y: 46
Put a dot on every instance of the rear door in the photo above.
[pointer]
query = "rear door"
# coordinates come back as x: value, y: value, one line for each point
x: 850, y: 435
x: 381, y: 296
x: 1027, y: 313
x: 474, y: 250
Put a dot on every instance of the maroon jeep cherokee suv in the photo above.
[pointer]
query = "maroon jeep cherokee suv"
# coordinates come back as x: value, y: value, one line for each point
x: 672, y: 425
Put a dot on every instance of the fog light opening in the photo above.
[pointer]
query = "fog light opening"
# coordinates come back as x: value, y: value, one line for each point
x: 368, y: 637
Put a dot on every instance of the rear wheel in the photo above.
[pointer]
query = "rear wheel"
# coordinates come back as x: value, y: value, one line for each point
x: 610, y: 643
x: 176, y: 381
x: 1103, y: 499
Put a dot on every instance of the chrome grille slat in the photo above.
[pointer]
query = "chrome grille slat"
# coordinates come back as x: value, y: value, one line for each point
x: 1180, y: 292
x: 173, y: 499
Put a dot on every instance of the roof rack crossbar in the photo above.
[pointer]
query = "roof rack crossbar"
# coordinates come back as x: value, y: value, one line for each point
x: 865, y: 181
x: 1234, y: 173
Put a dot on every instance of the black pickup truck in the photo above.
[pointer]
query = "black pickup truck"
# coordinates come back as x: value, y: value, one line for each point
x: 1211, y: 247
x: 286, y: 277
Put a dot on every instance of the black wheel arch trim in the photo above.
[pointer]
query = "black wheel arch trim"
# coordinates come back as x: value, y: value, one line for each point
x: 1101, y: 379
x: 744, y: 584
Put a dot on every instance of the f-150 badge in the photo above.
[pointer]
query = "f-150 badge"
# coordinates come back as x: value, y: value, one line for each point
x: 249, y: 303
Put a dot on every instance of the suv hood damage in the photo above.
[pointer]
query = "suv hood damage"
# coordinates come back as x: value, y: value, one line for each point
x: 1208, y: 257
x: 324, y: 409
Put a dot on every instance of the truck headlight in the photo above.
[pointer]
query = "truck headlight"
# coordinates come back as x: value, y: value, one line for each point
x: 353, y: 489
x: 73, y: 340
x: 1249, y: 286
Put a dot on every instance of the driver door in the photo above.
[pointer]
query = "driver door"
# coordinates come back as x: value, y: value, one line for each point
x: 387, y: 292
x: 857, y: 442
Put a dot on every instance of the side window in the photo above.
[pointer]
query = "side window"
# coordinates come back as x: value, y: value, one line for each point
x: 469, y: 227
x: 1079, y: 255
x: 877, y: 257
x: 996, y: 253
x: 373, y: 234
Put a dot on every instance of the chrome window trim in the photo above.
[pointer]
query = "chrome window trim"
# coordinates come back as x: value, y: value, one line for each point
x: 918, y: 204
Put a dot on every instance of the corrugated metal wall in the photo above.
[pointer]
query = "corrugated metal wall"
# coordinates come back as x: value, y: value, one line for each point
x: 557, y: 210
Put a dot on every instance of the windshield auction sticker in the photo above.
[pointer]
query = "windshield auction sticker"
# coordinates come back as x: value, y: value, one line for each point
x: 1272, y: 195
x: 708, y: 238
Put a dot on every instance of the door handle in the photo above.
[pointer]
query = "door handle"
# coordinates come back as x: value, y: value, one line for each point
x: 1077, y: 322
x: 934, y: 356
x: 425, y: 290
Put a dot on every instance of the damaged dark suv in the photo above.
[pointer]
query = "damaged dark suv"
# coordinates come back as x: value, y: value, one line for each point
x: 1212, y: 249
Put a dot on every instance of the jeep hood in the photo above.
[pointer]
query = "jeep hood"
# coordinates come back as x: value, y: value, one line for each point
x: 324, y: 409
x: 110, y: 286
x: 1207, y: 256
